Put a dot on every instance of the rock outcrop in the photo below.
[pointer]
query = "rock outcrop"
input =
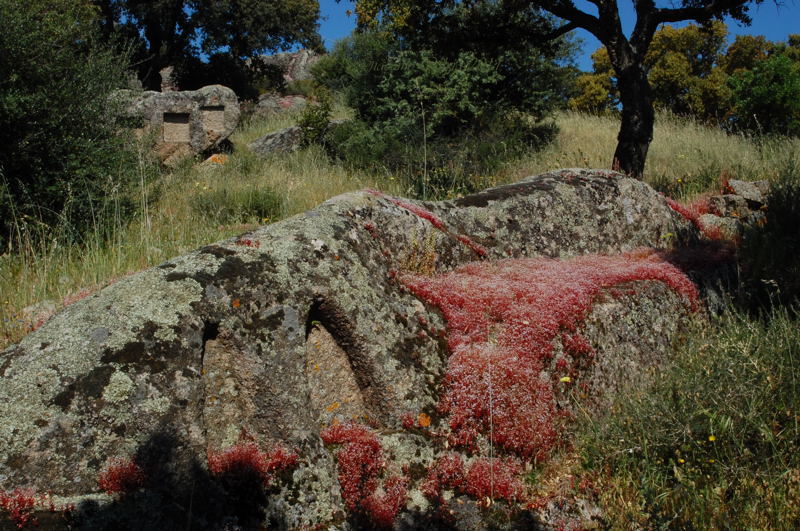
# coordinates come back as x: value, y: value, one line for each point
x: 296, y: 66
x: 187, y: 122
x: 284, y: 140
x: 273, y: 337
x: 277, y: 104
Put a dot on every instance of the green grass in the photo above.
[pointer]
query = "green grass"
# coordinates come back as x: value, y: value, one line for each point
x: 715, y: 443
x: 652, y: 459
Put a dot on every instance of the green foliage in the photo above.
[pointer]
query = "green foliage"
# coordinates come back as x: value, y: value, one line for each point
x: 714, y: 443
x: 316, y: 118
x: 63, y: 162
x: 767, y: 98
x: 177, y: 32
x: 753, y: 85
x: 684, y: 73
x: 770, y: 254
x: 440, y: 167
x: 431, y: 96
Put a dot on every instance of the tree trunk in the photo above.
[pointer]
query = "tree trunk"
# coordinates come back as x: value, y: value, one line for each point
x: 638, y: 117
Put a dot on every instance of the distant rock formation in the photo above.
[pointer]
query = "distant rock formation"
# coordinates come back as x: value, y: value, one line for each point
x: 340, y: 358
x: 276, y: 104
x: 284, y: 140
x: 296, y: 66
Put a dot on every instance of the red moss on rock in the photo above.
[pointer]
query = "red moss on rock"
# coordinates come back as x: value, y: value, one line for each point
x: 121, y: 476
x: 503, y: 321
x: 494, y: 479
x: 432, y: 218
x: 445, y: 473
x: 18, y: 505
x: 692, y: 211
x: 360, y: 464
x: 247, y: 458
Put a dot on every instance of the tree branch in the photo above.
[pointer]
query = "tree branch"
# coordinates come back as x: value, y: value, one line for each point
x: 566, y: 9
x: 699, y: 13
x: 564, y: 29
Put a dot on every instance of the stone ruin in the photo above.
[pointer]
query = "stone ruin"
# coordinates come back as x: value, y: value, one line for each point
x: 186, y: 122
x: 154, y: 403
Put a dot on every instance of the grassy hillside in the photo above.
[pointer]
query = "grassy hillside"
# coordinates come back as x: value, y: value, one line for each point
x: 199, y: 203
x: 714, y: 444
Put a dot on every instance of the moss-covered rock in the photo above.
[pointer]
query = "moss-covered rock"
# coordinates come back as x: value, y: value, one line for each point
x: 274, y: 334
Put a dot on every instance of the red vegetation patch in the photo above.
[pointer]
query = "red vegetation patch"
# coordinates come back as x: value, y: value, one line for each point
x: 432, y: 218
x: 121, y: 476
x: 492, y: 478
x: 692, y: 211
x: 446, y: 473
x: 19, y: 505
x: 503, y: 318
x: 247, y: 242
x: 246, y: 458
x: 360, y: 463
x: 486, y: 478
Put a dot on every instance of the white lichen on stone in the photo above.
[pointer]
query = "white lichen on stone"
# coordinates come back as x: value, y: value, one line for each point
x: 156, y: 406
x: 119, y: 388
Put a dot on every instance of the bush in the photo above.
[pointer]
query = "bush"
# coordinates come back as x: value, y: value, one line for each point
x: 438, y: 167
x: 770, y: 254
x: 441, y: 119
x: 767, y: 98
x: 316, y: 118
x: 62, y: 163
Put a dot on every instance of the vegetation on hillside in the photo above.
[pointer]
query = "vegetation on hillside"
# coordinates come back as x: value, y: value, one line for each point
x: 712, y: 443
x: 752, y: 85
x: 64, y: 170
x: 230, y: 33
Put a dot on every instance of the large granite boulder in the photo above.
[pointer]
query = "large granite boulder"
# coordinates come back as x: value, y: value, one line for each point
x: 187, y: 122
x: 285, y: 334
x: 296, y: 66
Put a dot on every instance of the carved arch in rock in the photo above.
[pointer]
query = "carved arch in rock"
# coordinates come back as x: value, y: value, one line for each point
x: 342, y: 377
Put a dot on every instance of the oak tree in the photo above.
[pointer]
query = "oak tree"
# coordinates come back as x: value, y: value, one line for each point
x: 626, y: 53
x: 170, y: 32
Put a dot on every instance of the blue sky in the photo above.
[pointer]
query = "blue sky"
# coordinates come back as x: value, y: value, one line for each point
x: 773, y: 21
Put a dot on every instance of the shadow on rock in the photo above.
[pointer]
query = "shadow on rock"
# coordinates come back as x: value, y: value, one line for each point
x: 180, y: 493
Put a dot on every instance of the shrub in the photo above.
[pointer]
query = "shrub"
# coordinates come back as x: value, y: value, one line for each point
x: 767, y: 98
x: 316, y: 118
x: 62, y: 163
x: 443, y: 105
x: 770, y: 254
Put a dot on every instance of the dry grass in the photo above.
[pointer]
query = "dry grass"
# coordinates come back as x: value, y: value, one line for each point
x: 171, y: 226
x: 681, y: 149
x: 297, y: 182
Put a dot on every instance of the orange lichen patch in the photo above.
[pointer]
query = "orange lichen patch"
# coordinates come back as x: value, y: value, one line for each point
x: 424, y: 420
x: 236, y: 303
x: 218, y: 158
x: 333, y: 407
